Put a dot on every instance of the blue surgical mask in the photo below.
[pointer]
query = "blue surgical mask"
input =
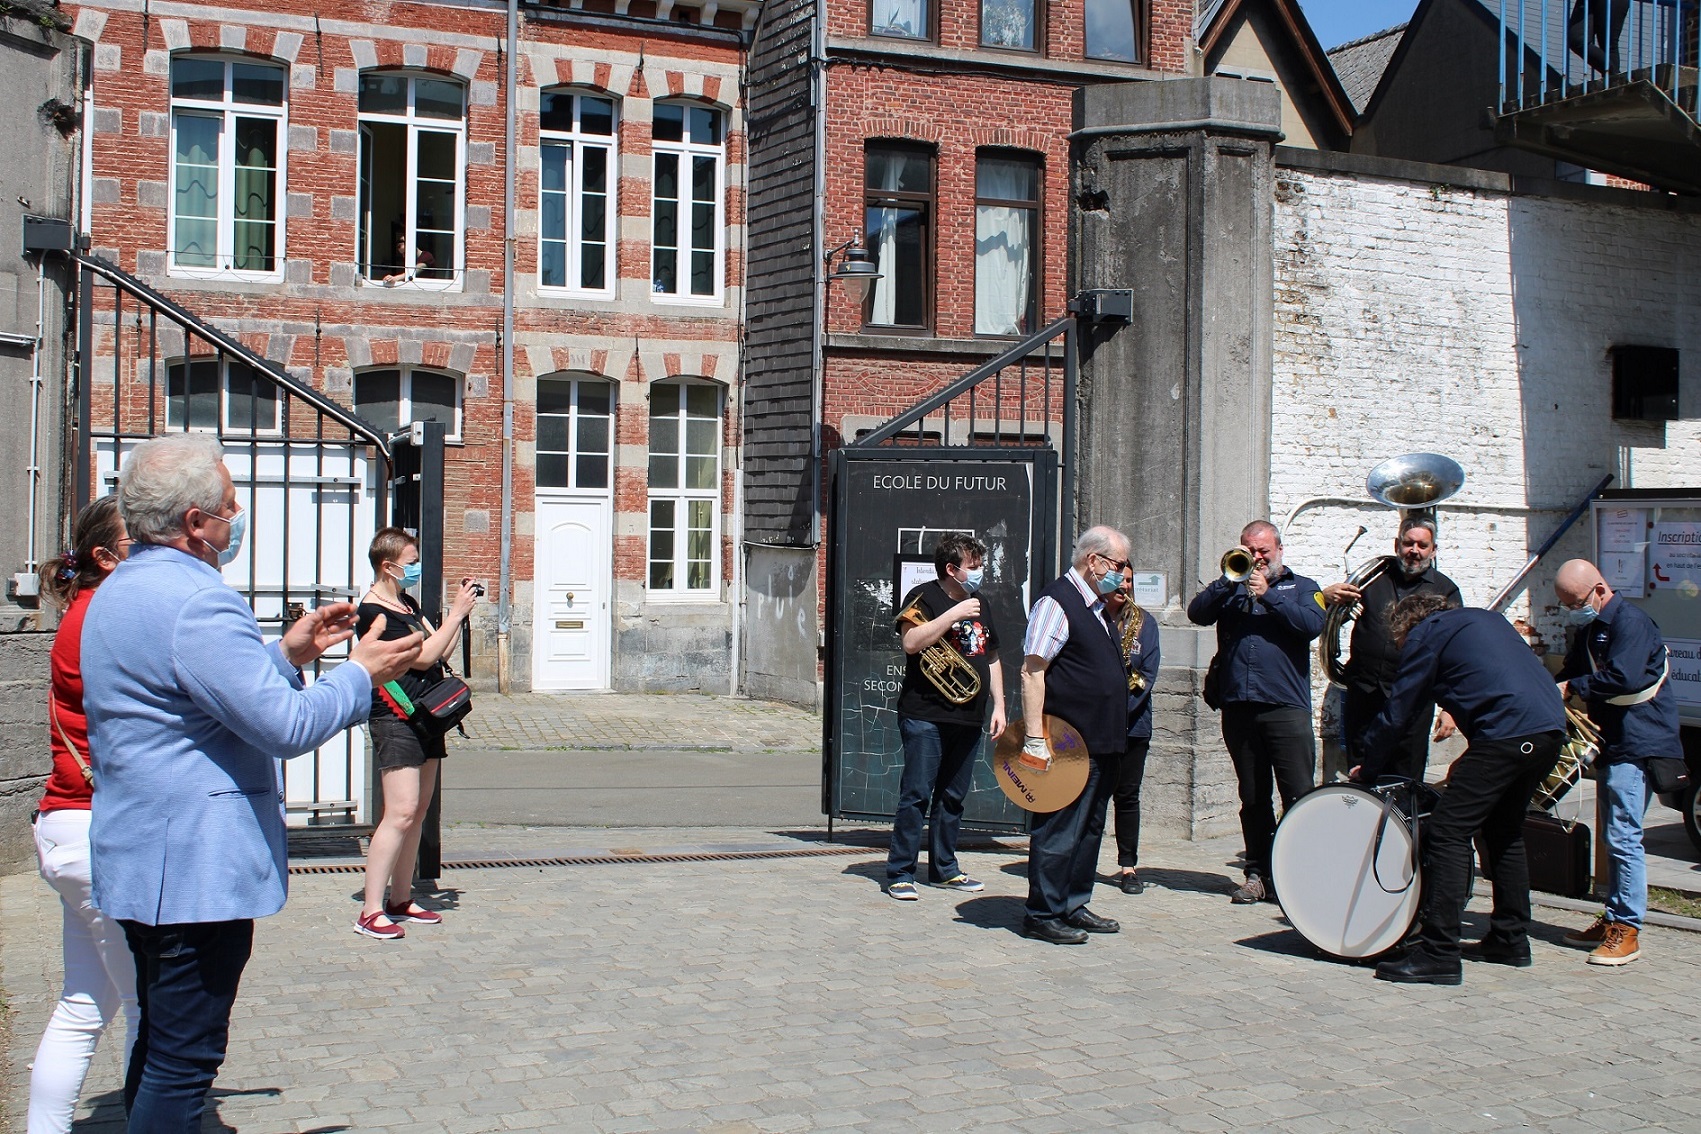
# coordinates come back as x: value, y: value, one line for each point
x: 1111, y: 581
x: 238, y: 529
x: 973, y: 579
x: 1582, y: 616
x: 410, y: 575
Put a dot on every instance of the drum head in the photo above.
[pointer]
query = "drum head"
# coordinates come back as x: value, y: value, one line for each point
x: 1034, y: 790
x: 1342, y: 893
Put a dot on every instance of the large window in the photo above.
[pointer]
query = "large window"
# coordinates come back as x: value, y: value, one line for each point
x: 393, y: 399
x: 576, y: 196
x: 1113, y: 30
x: 902, y: 19
x: 227, y: 123
x: 412, y: 137
x: 573, y: 433
x: 1012, y: 25
x: 1007, y: 235
x: 218, y: 394
x: 898, y: 214
x: 685, y: 487
x: 686, y: 234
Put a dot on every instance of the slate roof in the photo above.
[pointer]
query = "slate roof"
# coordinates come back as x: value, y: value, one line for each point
x: 1360, y: 64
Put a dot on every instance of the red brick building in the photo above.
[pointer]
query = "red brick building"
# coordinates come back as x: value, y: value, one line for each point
x: 329, y: 188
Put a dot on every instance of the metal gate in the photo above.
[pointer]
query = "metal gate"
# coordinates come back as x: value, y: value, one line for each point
x: 981, y: 456
x: 311, y: 474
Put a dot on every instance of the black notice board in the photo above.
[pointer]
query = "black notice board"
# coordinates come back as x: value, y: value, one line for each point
x: 889, y: 507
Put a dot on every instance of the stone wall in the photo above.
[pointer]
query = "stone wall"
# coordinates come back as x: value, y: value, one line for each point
x: 24, y: 758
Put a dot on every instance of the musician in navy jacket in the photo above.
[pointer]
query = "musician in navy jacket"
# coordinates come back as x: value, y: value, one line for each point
x: 1265, y: 627
x: 1617, y: 665
x: 189, y: 712
x: 1477, y: 667
x: 1141, y: 659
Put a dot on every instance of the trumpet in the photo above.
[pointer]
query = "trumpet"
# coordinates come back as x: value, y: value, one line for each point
x: 1238, y: 563
x: 947, y: 670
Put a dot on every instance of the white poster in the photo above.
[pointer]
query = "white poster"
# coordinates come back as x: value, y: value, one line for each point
x: 913, y: 575
x: 1685, y: 676
x: 1621, y: 529
x: 1151, y: 589
x: 1674, y: 560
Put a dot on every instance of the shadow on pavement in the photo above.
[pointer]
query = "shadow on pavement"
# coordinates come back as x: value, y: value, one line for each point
x: 1187, y: 881
x: 995, y: 911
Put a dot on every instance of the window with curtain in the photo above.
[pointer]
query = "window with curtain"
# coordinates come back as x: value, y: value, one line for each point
x: 687, y: 239
x: 574, y: 432
x: 227, y: 126
x: 394, y: 398
x: 219, y: 394
x: 685, y: 488
x: 901, y: 19
x: 412, y: 153
x: 1007, y: 232
x: 1113, y: 30
x: 898, y: 218
x: 1012, y: 25
x: 578, y: 152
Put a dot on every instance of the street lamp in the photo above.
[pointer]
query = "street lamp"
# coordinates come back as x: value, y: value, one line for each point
x: 856, y: 271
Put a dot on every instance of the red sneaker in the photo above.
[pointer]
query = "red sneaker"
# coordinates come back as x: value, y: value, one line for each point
x: 368, y: 924
x: 407, y: 911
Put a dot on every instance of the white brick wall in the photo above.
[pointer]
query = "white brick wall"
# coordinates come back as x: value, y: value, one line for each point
x: 1411, y: 317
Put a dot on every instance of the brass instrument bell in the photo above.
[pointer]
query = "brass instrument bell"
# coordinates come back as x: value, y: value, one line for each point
x: 1238, y: 563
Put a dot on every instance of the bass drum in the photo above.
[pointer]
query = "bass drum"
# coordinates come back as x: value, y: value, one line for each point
x: 1345, y: 871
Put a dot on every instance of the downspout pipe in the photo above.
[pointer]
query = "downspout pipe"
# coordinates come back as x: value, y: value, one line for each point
x: 505, y: 582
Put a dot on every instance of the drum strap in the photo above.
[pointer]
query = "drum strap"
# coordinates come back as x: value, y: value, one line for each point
x: 1388, y: 813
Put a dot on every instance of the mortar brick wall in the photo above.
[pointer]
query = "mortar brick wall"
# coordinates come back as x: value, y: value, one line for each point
x: 321, y: 322
x: 1421, y: 316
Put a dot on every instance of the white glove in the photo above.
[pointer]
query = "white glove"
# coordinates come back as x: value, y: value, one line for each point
x: 1036, y: 753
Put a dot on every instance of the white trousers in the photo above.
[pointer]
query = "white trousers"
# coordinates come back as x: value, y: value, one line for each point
x: 100, y: 976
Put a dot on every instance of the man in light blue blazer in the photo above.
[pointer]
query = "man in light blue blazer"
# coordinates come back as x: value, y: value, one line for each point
x: 189, y: 714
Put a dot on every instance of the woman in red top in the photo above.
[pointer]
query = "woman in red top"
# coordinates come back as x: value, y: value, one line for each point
x: 100, y: 973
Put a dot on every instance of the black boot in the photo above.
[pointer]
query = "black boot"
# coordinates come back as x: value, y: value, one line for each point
x: 1419, y: 966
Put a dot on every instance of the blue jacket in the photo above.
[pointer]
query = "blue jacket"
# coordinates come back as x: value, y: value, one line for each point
x: 1618, y: 653
x: 1472, y: 663
x: 189, y: 713
x: 1263, y: 645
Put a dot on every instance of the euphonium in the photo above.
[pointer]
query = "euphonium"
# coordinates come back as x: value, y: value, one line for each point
x: 1238, y: 564
x: 949, y: 671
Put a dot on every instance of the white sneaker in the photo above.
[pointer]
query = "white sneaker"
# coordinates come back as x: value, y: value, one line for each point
x: 903, y: 891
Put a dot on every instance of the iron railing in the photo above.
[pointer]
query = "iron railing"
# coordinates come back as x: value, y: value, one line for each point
x: 1556, y: 49
x: 312, y: 475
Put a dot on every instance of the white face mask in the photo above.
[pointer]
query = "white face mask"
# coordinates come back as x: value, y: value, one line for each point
x: 238, y: 529
x: 972, y: 580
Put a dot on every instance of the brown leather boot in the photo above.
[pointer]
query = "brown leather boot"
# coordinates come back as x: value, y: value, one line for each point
x: 1594, y: 935
x: 1619, y: 948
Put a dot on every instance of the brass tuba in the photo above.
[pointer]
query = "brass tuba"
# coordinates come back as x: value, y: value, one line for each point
x: 950, y: 672
x: 1411, y: 482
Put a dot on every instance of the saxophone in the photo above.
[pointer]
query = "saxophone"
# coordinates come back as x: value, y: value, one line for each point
x: 949, y: 671
x: 1132, y: 619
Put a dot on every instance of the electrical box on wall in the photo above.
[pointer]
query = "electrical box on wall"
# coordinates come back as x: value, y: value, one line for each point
x: 1644, y: 383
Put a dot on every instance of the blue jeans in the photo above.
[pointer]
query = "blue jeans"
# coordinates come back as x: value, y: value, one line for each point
x: 939, y: 762
x: 186, y: 978
x: 1063, y: 847
x: 1625, y: 793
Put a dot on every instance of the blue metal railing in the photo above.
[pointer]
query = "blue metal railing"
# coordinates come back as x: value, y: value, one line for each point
x: 1557, y: 49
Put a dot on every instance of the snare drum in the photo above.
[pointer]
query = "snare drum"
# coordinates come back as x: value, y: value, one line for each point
x: 1345, y: 871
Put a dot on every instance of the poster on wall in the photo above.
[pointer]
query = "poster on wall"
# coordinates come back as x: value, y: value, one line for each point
x: 1685, y: 674
x: 1621, y: 534
x: 1674, y: 560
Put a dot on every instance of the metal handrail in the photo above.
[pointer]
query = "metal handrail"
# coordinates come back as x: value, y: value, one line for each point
x: 1610, y: 43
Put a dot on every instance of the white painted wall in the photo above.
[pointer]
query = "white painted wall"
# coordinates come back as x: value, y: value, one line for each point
x: 1412, y: 316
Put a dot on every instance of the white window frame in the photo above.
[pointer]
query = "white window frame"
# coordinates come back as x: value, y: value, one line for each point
x: 686, y: 151
x: 579, y: 381
x: 415, y: 125
x: 576, y: 142
x: 226, y: 426
x: 227, y: 110
x: 681, y: 497
x: 405, y: 394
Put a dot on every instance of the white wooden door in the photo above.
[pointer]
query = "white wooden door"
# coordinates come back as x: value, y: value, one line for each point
x: 572, y: 635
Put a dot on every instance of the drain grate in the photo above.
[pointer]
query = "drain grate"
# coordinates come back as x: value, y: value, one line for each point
x: 606, y: 859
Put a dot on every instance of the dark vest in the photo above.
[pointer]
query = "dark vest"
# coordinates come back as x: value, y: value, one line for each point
x: 1086, y: 684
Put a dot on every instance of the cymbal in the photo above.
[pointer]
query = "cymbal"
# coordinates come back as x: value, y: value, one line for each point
x: 1030, y: 788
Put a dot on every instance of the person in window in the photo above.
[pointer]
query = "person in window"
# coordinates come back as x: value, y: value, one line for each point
x: 407, y: 761
x: 100, y: 973
x: 409, y: 267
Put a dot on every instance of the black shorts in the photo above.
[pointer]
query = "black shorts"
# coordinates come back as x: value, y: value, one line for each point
x: 396, y: 745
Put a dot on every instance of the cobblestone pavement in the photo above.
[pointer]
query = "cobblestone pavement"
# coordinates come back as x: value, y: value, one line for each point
x: 636, y: 720
x: 789, y: 994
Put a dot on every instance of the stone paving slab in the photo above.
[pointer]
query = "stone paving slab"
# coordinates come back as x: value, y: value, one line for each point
x: 539, y: 721
x: 762, y: 997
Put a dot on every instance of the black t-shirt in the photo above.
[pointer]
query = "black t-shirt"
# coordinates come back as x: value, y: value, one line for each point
x: 976, y: 639
x: 397, y: 625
